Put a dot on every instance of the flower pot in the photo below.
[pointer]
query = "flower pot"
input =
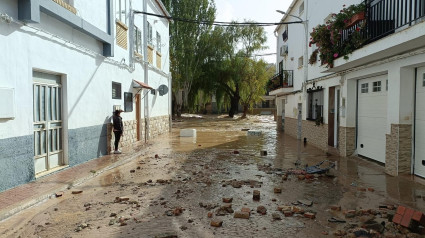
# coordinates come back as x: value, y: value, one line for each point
x: 355, y: 19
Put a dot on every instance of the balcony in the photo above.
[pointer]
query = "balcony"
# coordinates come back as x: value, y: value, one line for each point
x: 281, y: 82
x: 390, y: 27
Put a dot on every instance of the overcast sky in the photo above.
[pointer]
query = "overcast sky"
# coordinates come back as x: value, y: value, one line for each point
x: 259, y: 11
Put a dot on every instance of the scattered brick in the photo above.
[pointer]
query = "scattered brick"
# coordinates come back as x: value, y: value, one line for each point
x: 227, y: 200
x: 301, y: 177
x: 310, y: 215
x: 77, y: 192
x: 277, y: 190
x: 336, y: 208
x: 216, y: 223
x: 242, y: 215
x: 361, y: 189
x: 371, y: 189
x: 210, y: 214
x: 288, y: 213
x: 401, y: 210
x: 262, y: 210
x: 405, y: 221
x: 256, y: 195
x: 245, y: 209
x: 397, y: 218
x: 419, y: 217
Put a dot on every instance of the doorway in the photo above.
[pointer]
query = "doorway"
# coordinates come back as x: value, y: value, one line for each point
x: 48, y: 124
x: 138, y: 119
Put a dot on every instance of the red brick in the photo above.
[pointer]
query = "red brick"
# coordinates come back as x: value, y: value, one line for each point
x: 419, y: 217
x: 407, y: 217
x: 401, y: 210
x: 245, y: 209
x: 310, y: 215
x: 397, y: 218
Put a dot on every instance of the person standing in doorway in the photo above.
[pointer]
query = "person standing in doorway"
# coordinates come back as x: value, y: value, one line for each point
x: 118, y: 129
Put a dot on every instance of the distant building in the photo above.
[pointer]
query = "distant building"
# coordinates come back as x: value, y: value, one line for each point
x: 65, y: 66
x: 371, y: 104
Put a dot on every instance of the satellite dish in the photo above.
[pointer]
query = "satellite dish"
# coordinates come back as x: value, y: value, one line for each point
x: 162, y: 90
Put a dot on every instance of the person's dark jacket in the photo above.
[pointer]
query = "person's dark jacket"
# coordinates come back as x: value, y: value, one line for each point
x: 117, y: 121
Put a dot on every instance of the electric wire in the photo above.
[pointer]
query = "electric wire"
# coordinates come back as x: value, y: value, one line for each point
x: 218, y: 23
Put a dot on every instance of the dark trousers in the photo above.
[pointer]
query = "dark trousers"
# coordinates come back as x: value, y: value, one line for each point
x: 117, y: 138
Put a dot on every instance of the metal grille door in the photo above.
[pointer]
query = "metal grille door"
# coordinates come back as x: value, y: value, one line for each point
x: 48, y: 132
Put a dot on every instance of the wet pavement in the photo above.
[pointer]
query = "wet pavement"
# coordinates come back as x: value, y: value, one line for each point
x: 169, y: 190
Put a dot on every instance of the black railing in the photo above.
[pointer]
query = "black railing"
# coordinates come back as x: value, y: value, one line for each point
x: 284, y: 79
x: 384, y: 17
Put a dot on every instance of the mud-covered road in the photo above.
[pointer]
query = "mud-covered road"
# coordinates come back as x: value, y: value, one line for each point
x: 178, y: 183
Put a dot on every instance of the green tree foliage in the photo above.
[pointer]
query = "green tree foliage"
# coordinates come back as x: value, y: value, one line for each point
x: 228, y: 67
x: 254, y: 86
x: 188, y: 42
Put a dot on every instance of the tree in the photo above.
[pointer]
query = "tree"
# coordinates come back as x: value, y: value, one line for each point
x: 254, y: 86
x: 188, y: 43
x: 227, y: 66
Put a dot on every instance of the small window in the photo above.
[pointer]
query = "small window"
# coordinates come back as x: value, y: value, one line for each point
x: 137, y: 40
x: 285, y: 35
x: 128, y: 102
x: 301, y: 8
x: 365, y: 87
x: 300, y: 62
x: 377, y: 86
x: 386, y: 85
x: 158, y: 42
x: 150, y: 37
x: 423, y: 81
x: 116, y: 90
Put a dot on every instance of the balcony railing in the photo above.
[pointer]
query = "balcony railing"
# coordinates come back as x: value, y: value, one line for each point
x: 384, y: 17
x: 284, y: 79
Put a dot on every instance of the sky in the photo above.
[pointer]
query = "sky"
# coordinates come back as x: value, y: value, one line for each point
x: 259, y: 11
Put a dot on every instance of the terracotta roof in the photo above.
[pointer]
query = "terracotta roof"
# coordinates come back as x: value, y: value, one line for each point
x: 143, y: 85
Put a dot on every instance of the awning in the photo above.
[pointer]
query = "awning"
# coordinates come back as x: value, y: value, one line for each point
x: 138, y: 84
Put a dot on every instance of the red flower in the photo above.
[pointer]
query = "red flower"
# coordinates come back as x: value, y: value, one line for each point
x: 336, y: 55
x: 358, y: 29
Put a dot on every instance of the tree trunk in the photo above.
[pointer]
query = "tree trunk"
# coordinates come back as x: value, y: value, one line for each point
x: 234, y: 103
x: 245, y: 111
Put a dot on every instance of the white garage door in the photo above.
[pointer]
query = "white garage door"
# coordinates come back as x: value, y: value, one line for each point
x: 372, y: 118
x: 420, y: 124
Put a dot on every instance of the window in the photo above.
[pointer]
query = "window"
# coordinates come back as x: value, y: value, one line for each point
x: 301, y: 8
x: 376, y: 86
x: 280, y: 67
x: 150, y: 37
x: 116, y: 90
x: 300, y: 62
x: 128, y: 102
x: 315, y: 105
x: 365, y: 87
x: 423, y: 81
x: 121, y: 10
x: 137, y: 40
x: 285, y: 35
x: 158, y: 42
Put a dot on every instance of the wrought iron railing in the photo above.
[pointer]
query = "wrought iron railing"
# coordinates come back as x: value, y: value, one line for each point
x: 384, y: 17
x: 284, y: 79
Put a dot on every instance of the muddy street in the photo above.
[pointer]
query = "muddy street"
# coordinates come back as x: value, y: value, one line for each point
x: 220, y: 184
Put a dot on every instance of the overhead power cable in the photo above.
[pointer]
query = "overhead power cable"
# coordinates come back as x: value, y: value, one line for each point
x: 218, y: 23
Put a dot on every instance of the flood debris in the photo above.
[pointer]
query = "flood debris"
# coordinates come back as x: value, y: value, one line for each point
x: 77, y: 192
x: 216, y: 223
x: 262, y: 210
x: 241, y: 215
x: 256, y: 195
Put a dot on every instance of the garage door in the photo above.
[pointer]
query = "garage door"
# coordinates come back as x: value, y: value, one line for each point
x: 372, y: 118
x: 420, y: 124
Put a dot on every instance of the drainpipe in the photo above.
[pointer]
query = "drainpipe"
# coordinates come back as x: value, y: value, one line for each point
x: 306, y: 47
x: 170, y: 101
x: 146, y: 67
x: 131, y: 37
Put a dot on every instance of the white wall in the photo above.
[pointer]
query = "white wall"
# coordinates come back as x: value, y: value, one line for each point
x: 87, y: 75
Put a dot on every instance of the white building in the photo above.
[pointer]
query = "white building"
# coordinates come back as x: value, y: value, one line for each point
x: 66, y: 65
x: 372, y: 103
